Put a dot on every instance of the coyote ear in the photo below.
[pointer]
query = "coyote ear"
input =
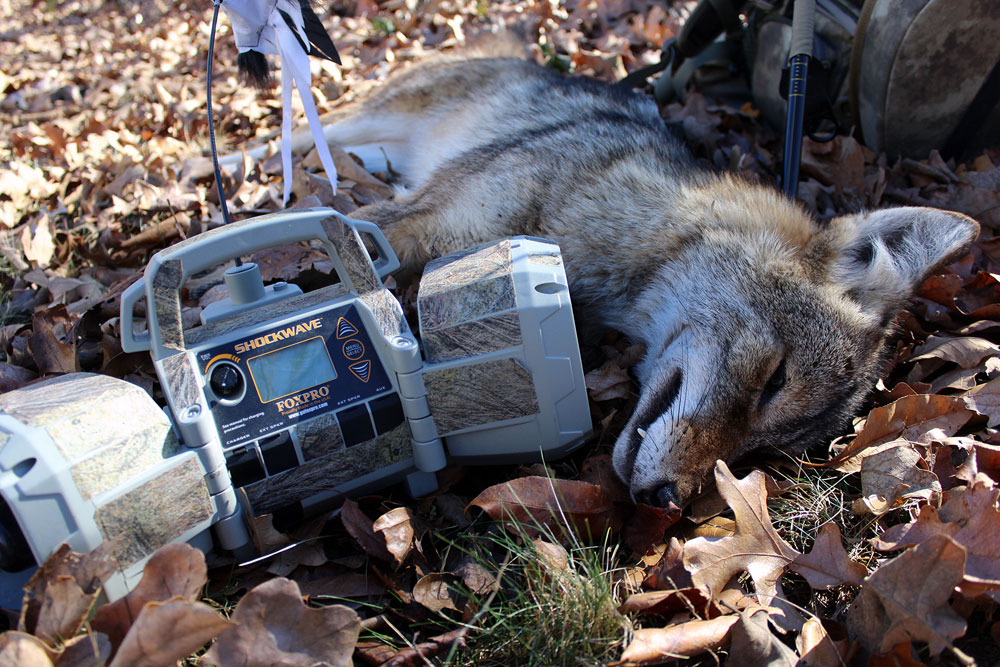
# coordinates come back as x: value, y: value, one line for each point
x: 883, y: 256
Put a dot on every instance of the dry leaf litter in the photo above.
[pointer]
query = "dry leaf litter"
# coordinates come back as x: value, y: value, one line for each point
x: 888, y: 555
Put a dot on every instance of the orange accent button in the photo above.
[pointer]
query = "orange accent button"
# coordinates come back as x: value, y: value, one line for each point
x: 354, y: 349
x: 345, y: 329
x: 362, y: 370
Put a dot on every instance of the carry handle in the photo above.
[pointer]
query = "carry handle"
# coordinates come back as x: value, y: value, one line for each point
x: 132, y: 342
x: 169, y: 269
x: 387, y: 261
x: 222, y: 244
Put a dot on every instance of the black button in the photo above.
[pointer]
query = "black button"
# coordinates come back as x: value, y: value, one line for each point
x: 226, y: 381
x: 387, y: 411
x: 355, y: 425
x: 244, y: 466
x: 279, y: 453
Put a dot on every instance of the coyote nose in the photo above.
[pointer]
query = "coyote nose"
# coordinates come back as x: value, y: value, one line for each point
x: 665, y: 496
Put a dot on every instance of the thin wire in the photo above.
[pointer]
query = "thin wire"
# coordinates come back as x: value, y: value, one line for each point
x: 211, y: 124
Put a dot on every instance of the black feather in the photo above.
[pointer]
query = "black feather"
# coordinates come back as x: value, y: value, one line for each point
x: 319, y: 38
x: 254, y: 69
x: 291, y: 26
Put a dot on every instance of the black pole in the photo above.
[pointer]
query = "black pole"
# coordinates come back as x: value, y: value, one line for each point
x: 793, y: 126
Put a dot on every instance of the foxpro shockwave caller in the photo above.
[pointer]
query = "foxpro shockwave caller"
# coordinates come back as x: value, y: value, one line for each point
x: 283, y: 399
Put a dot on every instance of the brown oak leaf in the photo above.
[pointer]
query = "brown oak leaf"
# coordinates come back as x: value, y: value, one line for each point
x: 755, y: 643
x: 360, y: 528
x: 755, y: 547
x: 828, y: 564
x: 277, y: 628
x: 910, y: 416
x: 896, y: 473
x: 177, y: 570
x: 654, y: 645
x: 536, y: 502
x: 817, y: 648
x: 971, y: 518
x: 906, y: 599
x: 58, y: 597
x: 166, y: 632
x: 397, y: 529
x: 434, y: 591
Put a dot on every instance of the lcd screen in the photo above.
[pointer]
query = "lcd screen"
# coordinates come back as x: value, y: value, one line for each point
x: 291, y: 369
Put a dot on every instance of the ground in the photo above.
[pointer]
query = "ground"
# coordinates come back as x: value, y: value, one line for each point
x: 881, y: 551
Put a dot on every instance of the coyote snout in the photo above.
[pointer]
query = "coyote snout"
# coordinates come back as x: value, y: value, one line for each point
x: 762, y: 327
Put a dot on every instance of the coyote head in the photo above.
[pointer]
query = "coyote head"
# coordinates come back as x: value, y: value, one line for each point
x: 770, y: 338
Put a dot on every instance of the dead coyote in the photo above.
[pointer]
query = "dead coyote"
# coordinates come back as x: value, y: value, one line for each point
x: 762, y: 327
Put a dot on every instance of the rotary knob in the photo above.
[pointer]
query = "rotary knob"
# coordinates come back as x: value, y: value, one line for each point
x: 226, y: 382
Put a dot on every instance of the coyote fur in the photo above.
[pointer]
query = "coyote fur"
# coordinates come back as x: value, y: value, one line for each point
x: 762, y: 327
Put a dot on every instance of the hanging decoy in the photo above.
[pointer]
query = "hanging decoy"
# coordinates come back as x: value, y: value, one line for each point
x: 291, y: 30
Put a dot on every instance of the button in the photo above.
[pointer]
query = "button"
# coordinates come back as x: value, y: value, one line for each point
x: 244, y: 466
x: 353, y: 349
x: 362, y: 370
x: 387, y: 411
x: 345, y: 329
x: 226, y: 381
x: 355, y: 425
x: 279, y: 453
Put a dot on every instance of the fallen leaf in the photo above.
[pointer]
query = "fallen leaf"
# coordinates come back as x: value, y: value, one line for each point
x: 895, y: 473
x: 911, y: 417
x: 266, y: 538
x: 971, y: 518
x: 664, y: 603
x: 901, y: 655
x: 308, y: 553
x: 19, y: 649
x: 347, y: 585
x: 37, y: 241
x: 643, y: 531
x: 174, y: 571
x: 58, y: 597
x: 52, y: 352
x: 827, y: 564
x: 684, y: 640
x: 14, y: 377
x: 63, y: 611
x: 433, y: 592
x: 89, y: 650
x: 421, y: 654
x: 755, y: 547
x: 360, y: 528
x: 906, y: 598
x: 533, y: 503
x: 966, y: 351
x: 755, y: 644
x: 397, y: 529
x: 668, y: 573
x: 276, y: 627
x: 166, y: 632
x: 553, y: 556
x: 600, y: 470
x: 985, y: 399
x: 816, y: 647
x: 476, y: 578
x: 608, y: 382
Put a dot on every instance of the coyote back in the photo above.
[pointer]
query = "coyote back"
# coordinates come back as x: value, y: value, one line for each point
x: 762, y: 327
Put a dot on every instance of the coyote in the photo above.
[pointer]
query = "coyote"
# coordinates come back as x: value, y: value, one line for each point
x: 762, y: 327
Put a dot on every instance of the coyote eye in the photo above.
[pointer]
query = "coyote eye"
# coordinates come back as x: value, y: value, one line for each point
x: 774, y: 384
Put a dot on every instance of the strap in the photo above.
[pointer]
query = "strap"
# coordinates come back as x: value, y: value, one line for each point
x: 674, y: 84
x: 975, y: 115
x: 637, y: 78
